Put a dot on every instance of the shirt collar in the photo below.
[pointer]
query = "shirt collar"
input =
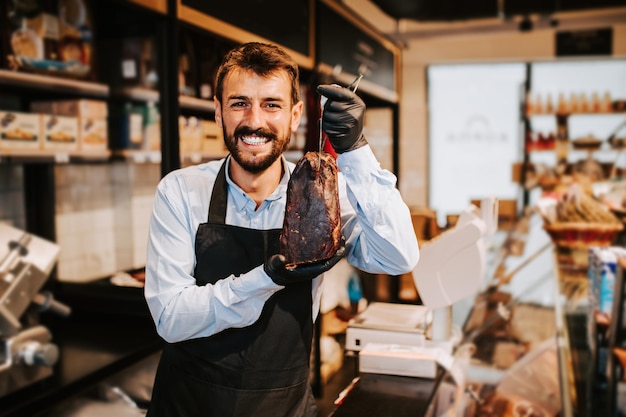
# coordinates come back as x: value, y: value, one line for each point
x: 241, y: 199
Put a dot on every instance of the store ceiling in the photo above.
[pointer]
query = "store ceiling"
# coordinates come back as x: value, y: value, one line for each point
x: 453, y: 10
x: 406, y: 20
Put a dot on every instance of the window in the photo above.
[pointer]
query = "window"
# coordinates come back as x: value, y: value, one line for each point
x: 474, y: 124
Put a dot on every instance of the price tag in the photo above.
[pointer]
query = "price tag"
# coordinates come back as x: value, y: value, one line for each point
x: 61, y: 157
x: 139, y: 157
x: 129, y: 69
x: 155, y: 157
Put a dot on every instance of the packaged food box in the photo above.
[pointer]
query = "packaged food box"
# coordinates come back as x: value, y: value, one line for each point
x: 212, y: 140
x: 20, y: 130
x: 190, y: 131
x: 59, y: 132
x: 125, y: 127
x: 76, y: 108
x: 601, y: 273
x: 93, y: 134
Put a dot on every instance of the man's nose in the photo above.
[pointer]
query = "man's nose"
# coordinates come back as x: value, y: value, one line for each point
x: 255, y: 117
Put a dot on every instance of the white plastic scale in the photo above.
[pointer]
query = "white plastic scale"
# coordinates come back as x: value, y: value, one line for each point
x: 410, y: 340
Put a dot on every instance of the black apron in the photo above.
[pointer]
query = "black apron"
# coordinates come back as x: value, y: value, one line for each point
x: 259, y: 370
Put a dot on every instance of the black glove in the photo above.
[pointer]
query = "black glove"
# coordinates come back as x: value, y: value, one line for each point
x: 342, y: 119
x: 281, y: 275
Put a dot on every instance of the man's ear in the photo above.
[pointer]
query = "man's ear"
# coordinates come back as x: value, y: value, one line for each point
x: 296, y: 115
x: 218, y: 111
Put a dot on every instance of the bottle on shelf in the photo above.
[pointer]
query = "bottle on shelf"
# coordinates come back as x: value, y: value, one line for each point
x: 562, y: 104
x: 529, y: 105
x: 537, y: 105
x: 549, y: 108
x: 595, y: 102
x: 606, y: 106
x: 574, y: 103
x: 584, y: 103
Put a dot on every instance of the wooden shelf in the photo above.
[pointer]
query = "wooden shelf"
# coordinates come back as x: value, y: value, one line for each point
x: 598, y: 113
x: 156, y: 5
x: 146, y: 94
x: 59, y: 157
x: 154, y: 157
x: 54, y: 84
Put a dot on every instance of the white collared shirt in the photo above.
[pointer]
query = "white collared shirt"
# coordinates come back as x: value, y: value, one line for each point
x: 375, y: 222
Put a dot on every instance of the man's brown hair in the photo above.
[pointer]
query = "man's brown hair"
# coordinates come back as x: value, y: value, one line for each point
x: 263, y: 59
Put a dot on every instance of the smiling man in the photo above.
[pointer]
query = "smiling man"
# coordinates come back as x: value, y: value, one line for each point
x: 238, y: 323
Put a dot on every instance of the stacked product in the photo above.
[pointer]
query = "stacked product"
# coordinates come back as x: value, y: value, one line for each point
x: 52, y: 37
x: 616, y: 369
x: 62, y: 125
x: 602, y: 272
x: 89, y: 117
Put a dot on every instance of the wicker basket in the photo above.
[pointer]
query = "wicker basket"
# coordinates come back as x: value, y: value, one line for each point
x: 583, y: 235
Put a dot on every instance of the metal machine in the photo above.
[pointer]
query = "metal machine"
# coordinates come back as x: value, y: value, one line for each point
x: 27, y: 353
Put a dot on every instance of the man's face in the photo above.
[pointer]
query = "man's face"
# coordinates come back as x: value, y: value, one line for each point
x: 257, y: 117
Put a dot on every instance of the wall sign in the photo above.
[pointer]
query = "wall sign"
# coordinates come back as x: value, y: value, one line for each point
x: 585, y: 42
x: 347, y: 48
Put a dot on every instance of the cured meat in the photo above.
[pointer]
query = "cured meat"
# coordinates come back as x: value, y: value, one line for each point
x: 312, y: 225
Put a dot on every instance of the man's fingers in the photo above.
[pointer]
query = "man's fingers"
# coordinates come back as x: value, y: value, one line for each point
x: 335, y: 92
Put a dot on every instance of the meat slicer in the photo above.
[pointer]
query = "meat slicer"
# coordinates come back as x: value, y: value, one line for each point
x: 27, y: 353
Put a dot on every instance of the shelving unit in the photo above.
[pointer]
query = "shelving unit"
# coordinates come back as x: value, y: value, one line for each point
x: 580, y: 140
x: 164, y: 23
x: 14, y: 79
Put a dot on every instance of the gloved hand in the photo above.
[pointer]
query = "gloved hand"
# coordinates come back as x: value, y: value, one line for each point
x: 342, y: 118
x: 281, y: 275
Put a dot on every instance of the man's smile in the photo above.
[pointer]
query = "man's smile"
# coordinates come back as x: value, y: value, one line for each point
x: 255, y: 140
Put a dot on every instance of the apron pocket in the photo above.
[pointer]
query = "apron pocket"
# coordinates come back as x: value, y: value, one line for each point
x: 216, y: 400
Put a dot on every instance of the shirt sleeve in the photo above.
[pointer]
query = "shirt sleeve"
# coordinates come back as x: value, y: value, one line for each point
x: 375, y: 219
x: 180, y: 309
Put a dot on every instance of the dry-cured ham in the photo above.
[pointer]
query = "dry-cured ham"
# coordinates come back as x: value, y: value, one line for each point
x: 312, y: 225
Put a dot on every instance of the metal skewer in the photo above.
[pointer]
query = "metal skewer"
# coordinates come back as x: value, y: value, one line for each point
x: 355, y: 84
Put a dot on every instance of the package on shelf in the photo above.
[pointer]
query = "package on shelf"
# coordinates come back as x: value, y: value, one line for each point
x: 51, y: 38
x: 20, y: 130
x: 135, y: 130
x: 125, y: 126
x: 190, y: 132
x: 212, y: 139
x: 77, y: 108
x: 93, y: 134
x: 91, y: 117
x: 151, y: 126
x: 59, y: 132
x: 601, y: 271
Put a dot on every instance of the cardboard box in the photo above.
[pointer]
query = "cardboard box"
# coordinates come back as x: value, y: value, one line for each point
x: 393, y: 359
x: 190, y: 131
x: 92, y: 134
x: 20, y: 130
x: 212, y: 139
x: 402, y: 324
x: 59, y: 132
x: 75, y: 108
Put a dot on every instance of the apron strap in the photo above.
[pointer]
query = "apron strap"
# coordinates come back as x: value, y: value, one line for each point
x: 219, y: 198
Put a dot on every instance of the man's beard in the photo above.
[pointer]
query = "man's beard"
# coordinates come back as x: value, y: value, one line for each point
x: 255, y: 164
